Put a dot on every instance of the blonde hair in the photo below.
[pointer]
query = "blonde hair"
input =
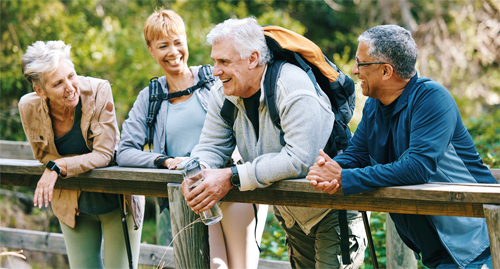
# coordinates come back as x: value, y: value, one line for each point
x: 163, y: 23
x: 42, y: 59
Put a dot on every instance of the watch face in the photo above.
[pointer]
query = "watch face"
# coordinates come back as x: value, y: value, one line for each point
x: 235, y: 178
x: 51, y: 165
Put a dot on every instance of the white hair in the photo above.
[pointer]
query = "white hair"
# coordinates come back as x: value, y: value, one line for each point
x: 247, y: 36
x: 42, y: 59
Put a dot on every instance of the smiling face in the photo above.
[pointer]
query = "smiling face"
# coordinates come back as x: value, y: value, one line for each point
x: 237, y: 75
x: 369, y: 75
x: 61, y: 87
x: 171, y: 53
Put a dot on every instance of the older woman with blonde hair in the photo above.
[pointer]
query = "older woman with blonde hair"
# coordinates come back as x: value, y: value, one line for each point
x: 177, y: 130
x: 70, y: 123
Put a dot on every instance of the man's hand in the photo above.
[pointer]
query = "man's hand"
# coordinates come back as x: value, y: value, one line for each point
x: 325, y: 174
x: 204, y: 196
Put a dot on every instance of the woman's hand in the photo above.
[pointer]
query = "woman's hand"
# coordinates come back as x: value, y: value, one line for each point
x: 171, y: 163
x: 45, y: 185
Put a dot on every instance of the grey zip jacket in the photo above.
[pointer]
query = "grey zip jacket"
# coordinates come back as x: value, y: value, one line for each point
x: 134, y: 130
x: 306, y: 119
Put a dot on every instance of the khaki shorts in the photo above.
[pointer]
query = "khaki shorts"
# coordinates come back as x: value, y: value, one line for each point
x: 321, y: 247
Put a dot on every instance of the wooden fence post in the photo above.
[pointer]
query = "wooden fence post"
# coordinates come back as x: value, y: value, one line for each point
x: 398, y: 255
x: 163, y: 226
x: 492, y: 215
x: 191, y: 248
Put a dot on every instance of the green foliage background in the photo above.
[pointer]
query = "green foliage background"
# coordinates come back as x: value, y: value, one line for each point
x: 458, y: 43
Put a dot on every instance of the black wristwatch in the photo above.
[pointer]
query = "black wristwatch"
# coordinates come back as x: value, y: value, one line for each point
x: 159, y: 161
x: 51, y: 165
x: 235, y: 178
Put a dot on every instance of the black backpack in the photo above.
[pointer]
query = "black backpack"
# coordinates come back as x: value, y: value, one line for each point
x: 289, y: 47
x: 157, y: 96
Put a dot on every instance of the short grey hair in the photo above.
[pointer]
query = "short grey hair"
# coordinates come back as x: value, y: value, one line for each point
x: 42, y: 59
x: 392, y: 44
x: 247, y: 36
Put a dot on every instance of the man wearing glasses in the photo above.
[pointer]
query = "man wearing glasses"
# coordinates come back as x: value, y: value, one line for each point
x: 411, y: 133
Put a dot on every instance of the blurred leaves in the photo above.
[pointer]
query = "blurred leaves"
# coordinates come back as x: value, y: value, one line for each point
x: 458, y: 42
x: 273, y: 240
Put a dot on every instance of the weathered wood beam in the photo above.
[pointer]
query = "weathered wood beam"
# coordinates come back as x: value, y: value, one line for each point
x: 492, y: 214
x: 54, y: 243
x: 398, y: 254
x: 190, y: 240
x: 153, y: 255
x: 429, y: 199
x: 16, y: 150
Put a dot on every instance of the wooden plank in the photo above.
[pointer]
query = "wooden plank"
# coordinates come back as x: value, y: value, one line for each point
x: 496, y: 174
x: 155, y: 255
x: 191, y: 249
x: 492, y: 214
x: 430, y: 199
x: 398, y: 255
x: 32, y: 240
x: 357, y: 202
x: 54, y: 243
x: 372, y: 201
x: 16, y: 150
x: 134, y: 178
x: 92, y: 184
x: 270, y: 264
x: 33, y: 167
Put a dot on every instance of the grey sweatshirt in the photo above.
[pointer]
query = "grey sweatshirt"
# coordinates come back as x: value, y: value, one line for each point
x: 306, y: 119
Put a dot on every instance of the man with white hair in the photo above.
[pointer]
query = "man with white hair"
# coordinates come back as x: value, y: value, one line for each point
x: 411, y: 133
x: 241, y: 57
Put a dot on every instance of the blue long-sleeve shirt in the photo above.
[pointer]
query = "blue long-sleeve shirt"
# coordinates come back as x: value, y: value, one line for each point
x: 421, y: 139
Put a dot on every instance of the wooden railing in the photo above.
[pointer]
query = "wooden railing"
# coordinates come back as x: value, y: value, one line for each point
x: 467, y: 200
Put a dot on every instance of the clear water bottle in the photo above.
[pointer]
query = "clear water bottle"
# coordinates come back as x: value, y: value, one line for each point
x: 191, y: 170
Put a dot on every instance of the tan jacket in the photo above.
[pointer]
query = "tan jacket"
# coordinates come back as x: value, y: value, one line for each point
x: 100, y: 131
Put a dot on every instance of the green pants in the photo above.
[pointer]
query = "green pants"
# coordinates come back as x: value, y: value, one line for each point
x: 83, y: 243
x: 321, y: 247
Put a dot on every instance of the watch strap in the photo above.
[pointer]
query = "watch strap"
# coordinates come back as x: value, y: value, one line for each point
x: 51, y: 165
x: 235, y: 177
x: 159, y: 161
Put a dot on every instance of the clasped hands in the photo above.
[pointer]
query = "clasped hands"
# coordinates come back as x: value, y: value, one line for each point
x: 215, y: 185
x: 325, y: 174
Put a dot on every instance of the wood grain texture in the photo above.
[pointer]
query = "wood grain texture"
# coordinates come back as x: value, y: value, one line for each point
x: 429, y: 199
x: 397, y: 253
x: 191, y: 248
x: 492, y: 214
x: 496, y: 174
x: 54, y: 243
x: 152, y: 255
x: 16, y: 150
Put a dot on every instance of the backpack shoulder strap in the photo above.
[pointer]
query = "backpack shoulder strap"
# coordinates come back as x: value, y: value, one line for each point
x: 155, y: 90
x: 205, y: 74
x: 156, y: 96
x: 227, y: 112
x: 270, y: 81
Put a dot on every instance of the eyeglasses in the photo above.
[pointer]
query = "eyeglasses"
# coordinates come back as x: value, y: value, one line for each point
x: 362, y: 64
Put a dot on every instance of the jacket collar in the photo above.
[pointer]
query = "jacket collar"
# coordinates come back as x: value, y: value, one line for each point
x: 402, y: 100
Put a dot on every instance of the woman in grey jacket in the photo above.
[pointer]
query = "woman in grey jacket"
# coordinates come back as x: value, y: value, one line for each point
x: 177, y: 130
